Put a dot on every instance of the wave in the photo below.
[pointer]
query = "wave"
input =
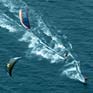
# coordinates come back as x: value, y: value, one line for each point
x: 43, y: 41
x: 6, y: 22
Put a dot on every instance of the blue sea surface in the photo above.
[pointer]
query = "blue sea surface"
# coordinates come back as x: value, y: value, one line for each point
x: 55, y: 25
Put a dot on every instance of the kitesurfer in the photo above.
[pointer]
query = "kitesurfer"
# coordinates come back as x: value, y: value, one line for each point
x: 65, y: 55
x: 85, y: 81
x: 11, y: 64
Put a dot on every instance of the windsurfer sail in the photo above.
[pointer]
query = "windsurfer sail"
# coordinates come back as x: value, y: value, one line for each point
x: 23, y: 16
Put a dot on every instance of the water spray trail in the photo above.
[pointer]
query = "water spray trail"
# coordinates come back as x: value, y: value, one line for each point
x: 42, y: 41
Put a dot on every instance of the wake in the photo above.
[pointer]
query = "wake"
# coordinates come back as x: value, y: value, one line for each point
x: 42, y: 41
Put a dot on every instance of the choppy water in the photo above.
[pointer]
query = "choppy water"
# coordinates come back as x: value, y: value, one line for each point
x: 58, y: 27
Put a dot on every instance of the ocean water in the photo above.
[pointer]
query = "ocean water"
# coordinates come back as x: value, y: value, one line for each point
x: 58, y: 28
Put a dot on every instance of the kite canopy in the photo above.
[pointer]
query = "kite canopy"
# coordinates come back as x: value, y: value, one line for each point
x: 23, y: 16
x: 10, y: 65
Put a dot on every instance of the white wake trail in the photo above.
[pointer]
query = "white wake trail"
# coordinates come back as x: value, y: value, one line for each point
x: 6, y: 23
x: 43, y: 42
